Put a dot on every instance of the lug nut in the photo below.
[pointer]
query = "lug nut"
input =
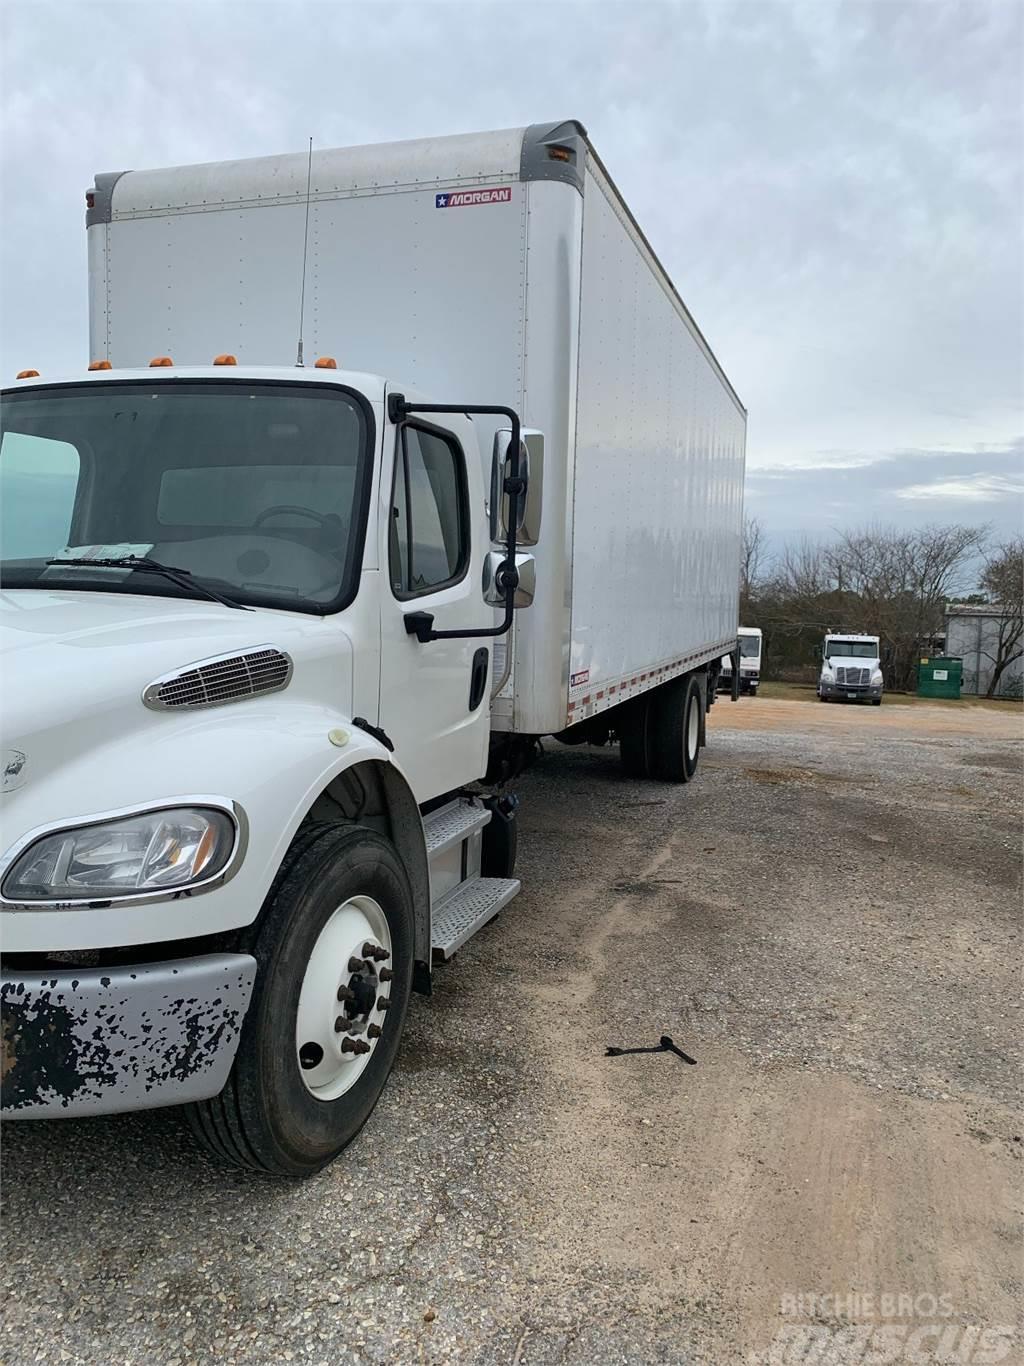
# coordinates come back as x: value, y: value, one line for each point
x: 385, y: 974
x: 373, y: 1031
x: 339, y: 1024
x: 346, y: 994
x: 370, y: 949
x: 380, y: 954
x: 356, y: 965
x: 382, y: 1003
x: 348, y: 1045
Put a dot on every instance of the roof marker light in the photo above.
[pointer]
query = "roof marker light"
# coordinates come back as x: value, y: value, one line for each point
x: 559, y: 154
x: 224, y: 359
x: 100, y: 365
x: 28, y: 374
x: 160, y: 362
x: 326, y: 363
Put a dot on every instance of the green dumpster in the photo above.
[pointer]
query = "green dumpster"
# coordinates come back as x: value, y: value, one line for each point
x: 939, y: 676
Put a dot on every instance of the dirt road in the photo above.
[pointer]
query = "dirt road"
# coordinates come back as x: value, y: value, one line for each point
x: 827, y: 920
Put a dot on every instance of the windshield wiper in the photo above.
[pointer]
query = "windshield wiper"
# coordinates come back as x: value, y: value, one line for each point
x: 182, y: 577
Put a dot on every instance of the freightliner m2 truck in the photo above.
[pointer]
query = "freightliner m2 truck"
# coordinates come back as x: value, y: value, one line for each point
x: 282, y: 625
x: 851, y: 669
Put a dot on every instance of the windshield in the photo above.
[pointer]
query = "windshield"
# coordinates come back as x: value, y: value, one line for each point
x: 750, y: 646
x: 257, y: 488
x: 852, y: 649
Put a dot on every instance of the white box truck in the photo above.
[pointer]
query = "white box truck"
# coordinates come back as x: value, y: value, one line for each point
x: 750, y: 643
x: 266, y: 682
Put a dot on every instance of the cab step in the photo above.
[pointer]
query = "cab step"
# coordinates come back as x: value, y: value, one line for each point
x: 468, y: 909
x: 451, y: 824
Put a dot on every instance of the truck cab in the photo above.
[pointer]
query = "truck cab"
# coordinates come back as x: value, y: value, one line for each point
x: 750, y: 644
x: 851, y: 669
x: 234, y: 775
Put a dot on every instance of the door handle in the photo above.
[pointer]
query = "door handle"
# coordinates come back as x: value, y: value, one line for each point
x: 478, y: 677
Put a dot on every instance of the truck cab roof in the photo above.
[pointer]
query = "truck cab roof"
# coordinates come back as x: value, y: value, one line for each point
x: 371, y: 386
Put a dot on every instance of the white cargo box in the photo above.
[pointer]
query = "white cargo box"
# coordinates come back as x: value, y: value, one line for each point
x: 486, y: 268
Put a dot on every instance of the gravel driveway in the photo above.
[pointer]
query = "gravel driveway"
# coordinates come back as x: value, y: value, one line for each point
x: 827, y: 920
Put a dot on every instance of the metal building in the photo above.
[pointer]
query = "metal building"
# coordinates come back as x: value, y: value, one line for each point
x: 973, y: 633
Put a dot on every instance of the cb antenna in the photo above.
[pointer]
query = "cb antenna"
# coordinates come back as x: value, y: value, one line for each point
x: 305, y: 251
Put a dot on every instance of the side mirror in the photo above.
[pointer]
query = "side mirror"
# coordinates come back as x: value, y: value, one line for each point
x: 531, y: 468
x: 493, y: 592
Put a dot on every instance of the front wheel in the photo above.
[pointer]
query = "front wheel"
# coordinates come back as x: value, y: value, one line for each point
x: 334, y: 948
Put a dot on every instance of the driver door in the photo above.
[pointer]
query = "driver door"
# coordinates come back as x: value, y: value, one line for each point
x: 434, y: 696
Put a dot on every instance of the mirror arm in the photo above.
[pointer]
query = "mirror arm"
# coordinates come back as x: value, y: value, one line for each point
x: 421, y: 624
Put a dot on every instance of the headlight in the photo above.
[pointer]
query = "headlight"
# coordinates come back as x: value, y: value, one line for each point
x: 157, y: 851
x: 827, y: 675
x: 876, y: 677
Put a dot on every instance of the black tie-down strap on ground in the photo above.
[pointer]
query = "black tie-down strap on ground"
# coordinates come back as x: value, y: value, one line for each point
x: 665, y: 1045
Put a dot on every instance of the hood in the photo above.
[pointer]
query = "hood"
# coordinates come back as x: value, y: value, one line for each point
x: 75, y: 663
x: 852, y: 662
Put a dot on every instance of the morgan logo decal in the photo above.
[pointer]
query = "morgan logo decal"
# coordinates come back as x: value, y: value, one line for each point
x: 461, y: 199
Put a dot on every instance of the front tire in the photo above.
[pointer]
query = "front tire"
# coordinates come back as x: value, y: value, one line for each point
x: 317, y: 1045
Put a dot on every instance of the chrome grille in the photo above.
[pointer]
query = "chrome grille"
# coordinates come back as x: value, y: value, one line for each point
x: 220, y: 679
x: 853, y: 678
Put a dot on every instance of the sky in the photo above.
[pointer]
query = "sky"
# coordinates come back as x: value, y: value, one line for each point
x: 835, y: 188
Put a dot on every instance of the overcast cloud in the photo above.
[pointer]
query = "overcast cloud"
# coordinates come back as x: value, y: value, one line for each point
x: 835, y: 189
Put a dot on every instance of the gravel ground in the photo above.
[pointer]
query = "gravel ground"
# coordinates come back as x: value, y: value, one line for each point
x: 827, y: 920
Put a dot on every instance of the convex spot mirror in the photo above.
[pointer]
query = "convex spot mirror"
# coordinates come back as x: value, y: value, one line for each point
x: 531, y: 468
x: 493, y: 592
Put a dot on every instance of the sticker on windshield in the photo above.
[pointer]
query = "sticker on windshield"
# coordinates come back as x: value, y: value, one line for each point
x: 121, y: 551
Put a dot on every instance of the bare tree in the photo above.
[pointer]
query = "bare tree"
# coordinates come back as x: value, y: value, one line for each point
x: 1003, y: 581
x: 753, y: 560
x: 883, y: 581
x: 895, y: 584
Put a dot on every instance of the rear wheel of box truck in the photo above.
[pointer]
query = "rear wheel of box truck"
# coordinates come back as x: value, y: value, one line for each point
x: 677, y: 713
x: 632, y: 726
x: 334, y: 947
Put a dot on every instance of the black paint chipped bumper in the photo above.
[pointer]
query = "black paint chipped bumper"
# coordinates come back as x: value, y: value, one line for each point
x: 101, y: 1040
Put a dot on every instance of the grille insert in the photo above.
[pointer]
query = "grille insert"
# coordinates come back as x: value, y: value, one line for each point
x: 853, y: 678
x: 222, y: 678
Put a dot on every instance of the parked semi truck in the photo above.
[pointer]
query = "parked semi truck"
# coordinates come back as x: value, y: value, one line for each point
x: 750, y: 643
x: 851, y: 669
x: 280, y: 633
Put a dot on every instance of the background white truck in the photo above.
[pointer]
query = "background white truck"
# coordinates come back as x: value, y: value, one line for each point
x: 750, y: 643
x: 264, y: 697
x: 851, y: 668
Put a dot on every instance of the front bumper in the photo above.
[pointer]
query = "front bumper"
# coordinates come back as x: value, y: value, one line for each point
x: 850, y: 693
x: 97, y: 1041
